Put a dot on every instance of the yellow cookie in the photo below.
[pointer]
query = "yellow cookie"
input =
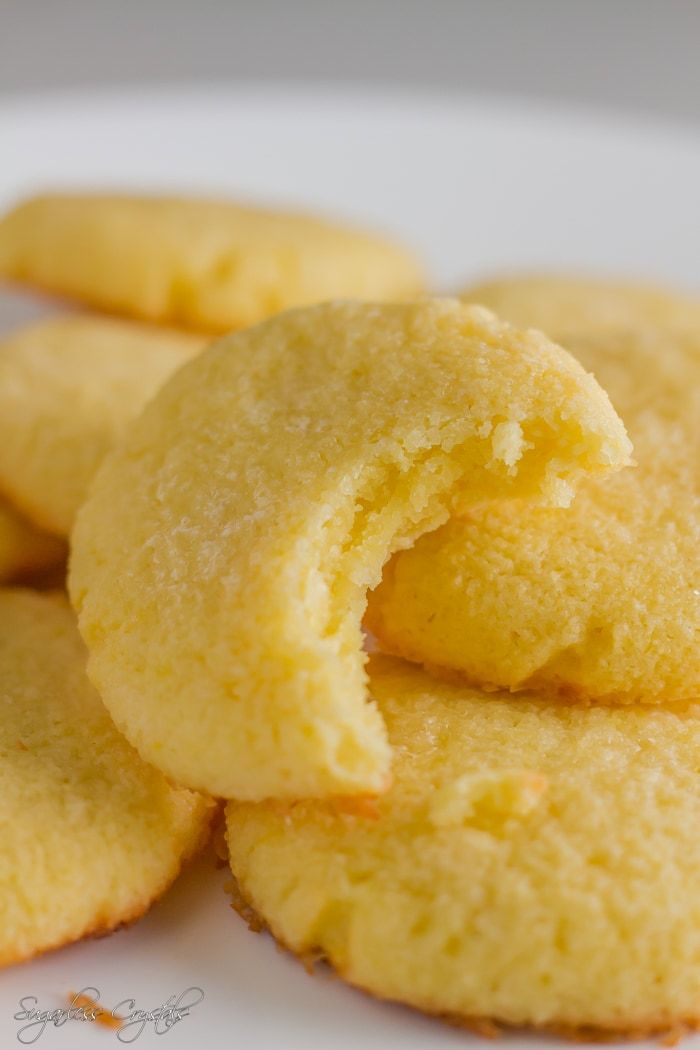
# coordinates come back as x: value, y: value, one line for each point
x: 68, y: 387
x: 565, y: 306
x: 532, y: 864
x: 91, y: 835
x: 221, y: 562
x: 23, y: 548
x: 600, y: 602
x: 209, y: 265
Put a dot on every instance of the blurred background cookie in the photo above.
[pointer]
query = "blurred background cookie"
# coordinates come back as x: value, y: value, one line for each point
x: 91, y: 835
x: 203, y: 264
x: 532, y: 864
x: 68, y: 387
x: 564, y: 306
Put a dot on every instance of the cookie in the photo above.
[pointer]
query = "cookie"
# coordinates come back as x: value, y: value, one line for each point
x: 24, y: 550
x: 565, y: 306
x: 532, y: 864
x: 203, y: 264
x: 91, y: 834
x: 221, y: 561
x: 68, y: 387
x: 599, y: 603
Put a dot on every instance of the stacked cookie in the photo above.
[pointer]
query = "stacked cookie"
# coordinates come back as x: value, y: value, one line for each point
x: 69, y: 386
x: 493, y: 820
x: 92, y: 833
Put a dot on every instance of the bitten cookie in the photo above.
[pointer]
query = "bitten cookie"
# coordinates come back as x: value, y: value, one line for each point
x: 600, y: 602
x: 208, y: 265
x: 68, y: 387
x: 221, y: 561
x: 91, y: 835
x: 24, y: 550
x: 532, y: 864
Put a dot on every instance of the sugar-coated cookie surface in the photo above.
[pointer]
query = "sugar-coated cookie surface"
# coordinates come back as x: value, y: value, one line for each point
x: 600, y: 602
x: 533, y: 863
x: 221, y: 561
x: 24, y: 549
x: 91, y: 835
x: 68, y: 388
x: 205, y: 264
x: 563, y: 306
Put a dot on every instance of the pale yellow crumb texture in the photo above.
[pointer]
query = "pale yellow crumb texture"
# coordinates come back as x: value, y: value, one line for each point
x: 221, y: 562
x: 204, y: 264
x: 602, y: 601
x: 533, y: 863
x: 91, y: 834
x: 68, y: 388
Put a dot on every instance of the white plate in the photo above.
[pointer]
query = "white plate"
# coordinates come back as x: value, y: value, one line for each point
x: 476, y: 187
